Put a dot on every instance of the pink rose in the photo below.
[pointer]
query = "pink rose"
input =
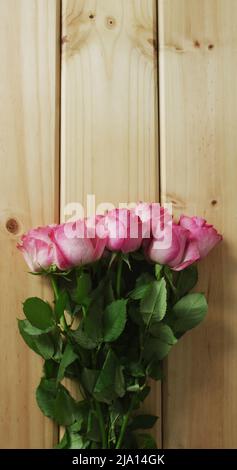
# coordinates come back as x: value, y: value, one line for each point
x: 76, y: 244
x: 153, y: 217
x: 204, y: 235
x: 123, y: 230
x: 38, y: 248
x: 173, y: 247
x: 65, y: 245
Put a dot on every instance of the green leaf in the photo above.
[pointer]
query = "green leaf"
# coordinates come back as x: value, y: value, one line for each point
x: 31, y: 330
x: 143, y: 422
x: 68, y: 357
x: 163, y: 332
x: 45, y: 346
x: 60, y: 304
x: 42, y: 344
x: 188, y: 312
x: 155, y: 349
x: 28, y: 338
x: 141, y: 396
x: 50, y: 369
x: 83, y: 288
x: 39, y: 313
x: 82, y: 412
x: 153, y: 305
x: 80, y: 337
x: 144, y: 278
x: 76, y: 427
x: 169, y: 276
x: 46, y: 395
x: 136, y: 369
x: 109, y: 384
x: 145, y: 441
x: 139, y: 292
x: 55, y: 402
x: 93, y: 323
x: 76, y: 441
x: 142, y: 284
x: 58, y: 344
x: 64, y: 408
x: 187, y: 279
x: 89, y: 378
x: 84, y: 356
x: 114, y: 320
x: 154, y: 369
x: 63, y: 444
x: 158, y: 271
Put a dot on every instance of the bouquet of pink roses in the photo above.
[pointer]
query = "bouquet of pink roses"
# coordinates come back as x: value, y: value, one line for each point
x: 121, y: 287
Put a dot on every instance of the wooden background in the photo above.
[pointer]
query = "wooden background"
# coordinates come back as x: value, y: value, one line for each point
x: 128, y: 100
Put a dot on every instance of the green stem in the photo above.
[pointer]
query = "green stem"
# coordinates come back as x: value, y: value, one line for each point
x: 125, y: 423
x: 101, y: 424
x: 83, y: 311
x: 63, y: 322
x: 55, y: 288
x: 119, y: 275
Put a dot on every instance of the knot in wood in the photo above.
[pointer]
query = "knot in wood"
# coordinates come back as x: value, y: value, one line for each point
x: 110, y: 22
x: 12, y: 226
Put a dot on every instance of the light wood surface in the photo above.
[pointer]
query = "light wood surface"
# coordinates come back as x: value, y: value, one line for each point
x: 198, y: 123
x: 109, y: 120
x: 29, y: 50
x: 109, y: 147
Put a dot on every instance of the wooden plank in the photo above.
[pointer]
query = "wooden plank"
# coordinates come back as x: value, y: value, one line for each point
x: 109, y: 104
x: 198, y: 116
x: 29, y: 50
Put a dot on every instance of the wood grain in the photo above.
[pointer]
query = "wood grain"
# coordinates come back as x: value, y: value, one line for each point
x: 198, y: 122
x: 29, y: 51
x: 109, y: 105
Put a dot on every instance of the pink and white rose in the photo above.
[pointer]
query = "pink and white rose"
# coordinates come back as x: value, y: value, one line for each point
x: 37, y: 248
x: 192, y: 239
x: 65, y: 245
x: 180, y: 253
x: 76, y: 244
x: 153, y: 218
x: 123, y: 230
x: 84, y: 241
x: 204, y: 235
